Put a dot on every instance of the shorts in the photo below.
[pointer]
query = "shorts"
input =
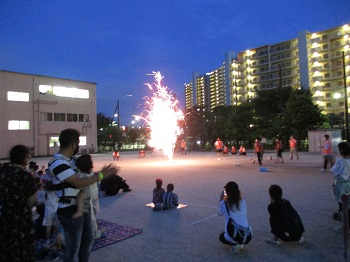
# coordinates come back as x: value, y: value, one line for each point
x: 50, y: 218
x: 219, y: 150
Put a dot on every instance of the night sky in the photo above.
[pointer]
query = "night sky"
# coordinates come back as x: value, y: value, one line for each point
x: 118, y: 43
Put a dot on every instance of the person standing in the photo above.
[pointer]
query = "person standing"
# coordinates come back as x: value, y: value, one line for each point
x: 327, y: 153
x: 293, y: 147
x: 259, y: 150
x: 64, y: 175
x: 341, y: 173
x: 219, y: 147
x: 17, y: 194
x: 279, y: 148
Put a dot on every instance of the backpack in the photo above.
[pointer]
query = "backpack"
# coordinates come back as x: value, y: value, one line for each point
x: 240, y: 234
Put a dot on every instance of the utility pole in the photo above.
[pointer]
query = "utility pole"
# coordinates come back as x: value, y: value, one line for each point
x: 116, y: 113
x: 345, y: 101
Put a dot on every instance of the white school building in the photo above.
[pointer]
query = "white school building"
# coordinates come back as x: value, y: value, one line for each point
x: 34, y: 109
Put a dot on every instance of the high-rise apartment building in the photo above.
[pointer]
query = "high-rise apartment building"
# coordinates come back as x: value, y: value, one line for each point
x: 316, y: 61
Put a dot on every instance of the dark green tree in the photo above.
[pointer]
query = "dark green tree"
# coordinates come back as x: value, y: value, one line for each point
x: 302, y: 114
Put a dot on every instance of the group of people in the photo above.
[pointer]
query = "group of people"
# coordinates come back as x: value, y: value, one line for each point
x: 164, y: 200
x: 223, y: 151
x: 285, y: 222
x: 71, y: 192
x: 259, y: 148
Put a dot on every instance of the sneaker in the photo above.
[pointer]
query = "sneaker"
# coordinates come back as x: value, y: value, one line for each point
x: 322, y: 170
x: 235, y: 249
x: 301, y: 240
x: 291, y: 158
x: 297, y: 157
x: 127, y: 189
x: 272, y: 240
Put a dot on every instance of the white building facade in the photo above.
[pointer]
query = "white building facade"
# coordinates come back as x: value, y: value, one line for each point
x: 34, y: 110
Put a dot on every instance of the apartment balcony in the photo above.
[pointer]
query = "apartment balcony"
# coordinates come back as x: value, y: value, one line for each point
x: 315, y: 49
x: 317, y: 78
x: 315, y: 40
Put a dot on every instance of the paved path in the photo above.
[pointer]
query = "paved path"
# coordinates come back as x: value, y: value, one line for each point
x: 191, y: 233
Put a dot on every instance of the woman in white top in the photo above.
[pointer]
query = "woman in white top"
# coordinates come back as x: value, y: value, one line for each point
x: 341, y: 173
x: 237, y: 211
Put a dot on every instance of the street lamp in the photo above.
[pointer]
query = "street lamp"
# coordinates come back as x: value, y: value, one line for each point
x: 346, y: 100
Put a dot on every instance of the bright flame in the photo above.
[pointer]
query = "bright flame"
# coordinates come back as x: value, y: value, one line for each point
x: 163, y: 117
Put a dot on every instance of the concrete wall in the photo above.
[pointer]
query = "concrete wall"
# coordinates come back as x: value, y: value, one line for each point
x: 41, y: 131
x: 316, y: 139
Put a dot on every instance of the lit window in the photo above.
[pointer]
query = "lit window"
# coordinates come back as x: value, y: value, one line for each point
x: 54, y: 141
x: 59, y: 91
x: 82, y: 93
x: 18, y: 125
x: 70, y: 92
x: 45, y: 89
x: 82, y: 141
x: 17, y: 96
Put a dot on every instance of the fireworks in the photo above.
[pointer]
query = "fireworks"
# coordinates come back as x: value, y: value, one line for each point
x: 163, y: 116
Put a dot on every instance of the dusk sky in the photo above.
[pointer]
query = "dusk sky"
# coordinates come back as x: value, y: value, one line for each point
x: 118, y: 43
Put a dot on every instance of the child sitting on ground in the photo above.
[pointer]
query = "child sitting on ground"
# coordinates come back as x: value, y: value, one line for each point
x: 170, y: 199
x: 158, y: 194
x: 285, y: 222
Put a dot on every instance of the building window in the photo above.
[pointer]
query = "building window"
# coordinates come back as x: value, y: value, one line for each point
x: 328, y: 94
x: 324, y: 37
x: 325, y: 56
x: 72, y: 117
x: 328, y: 105
x: 337, y: 43
x: 82, y: 141
x: 59, y: 117
x: 45, y: 89
x: 325, y: 46
x: 340, y: 83
x: 17, y: 96
x: 54, y: 141
x: 64, y: 91
x: 18, y: 125
x: 339, y: 73
x: 44, y: 116
x: 326, y: 66
x: 327, y: 85
x: 83, y: 118
x: 341, y: 103
x: 326, y: 75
